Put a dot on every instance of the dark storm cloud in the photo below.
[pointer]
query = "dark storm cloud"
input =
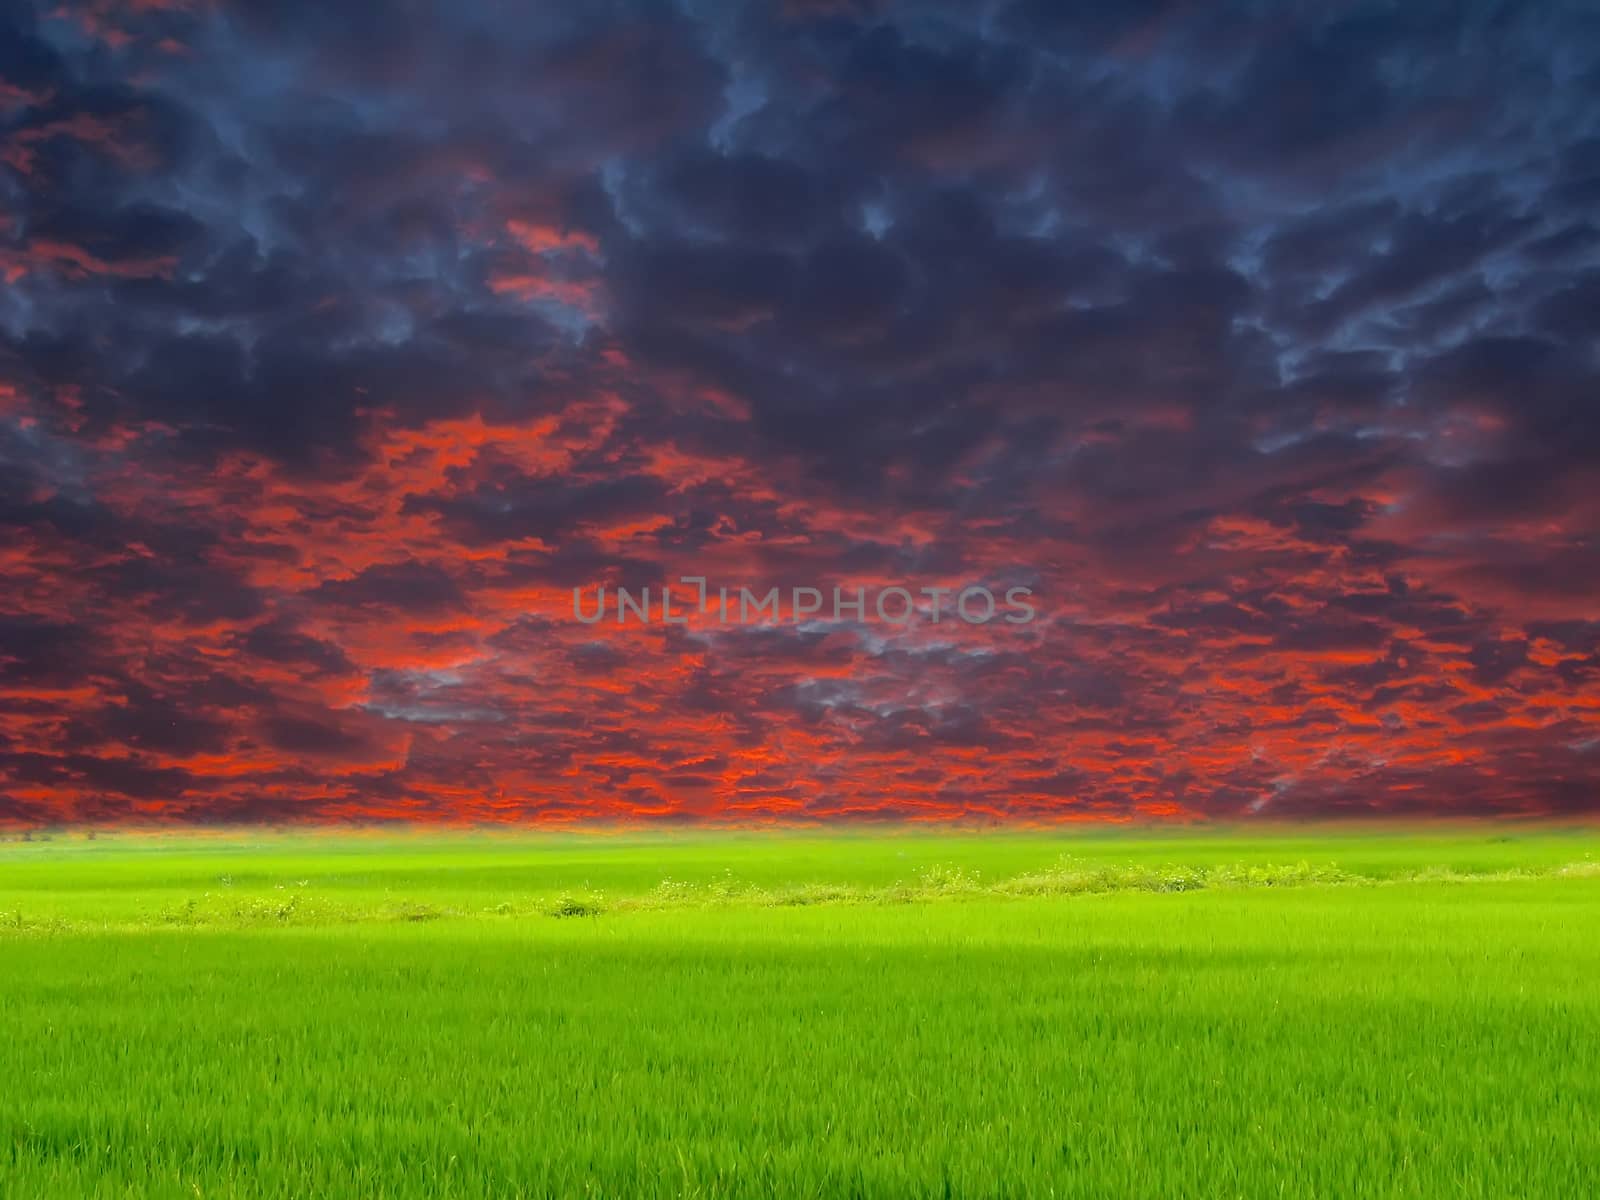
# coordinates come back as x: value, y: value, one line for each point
x: 146, y: 721
x: 339, y: 342
x: 34, y: 650
x: 279, y: 642
x: 403, y: 586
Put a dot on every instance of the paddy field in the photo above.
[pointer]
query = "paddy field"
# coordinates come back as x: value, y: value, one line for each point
x: 887, y: 1013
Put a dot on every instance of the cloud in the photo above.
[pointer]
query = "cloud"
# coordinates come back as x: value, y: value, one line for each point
x: 338, y: 346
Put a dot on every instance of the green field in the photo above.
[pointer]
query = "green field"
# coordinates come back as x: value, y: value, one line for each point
x: 890, y: 1014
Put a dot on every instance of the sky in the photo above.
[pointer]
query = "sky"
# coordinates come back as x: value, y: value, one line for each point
x: 341, y: 343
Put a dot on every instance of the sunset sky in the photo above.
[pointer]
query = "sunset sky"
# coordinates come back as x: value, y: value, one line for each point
x: 339, y: 342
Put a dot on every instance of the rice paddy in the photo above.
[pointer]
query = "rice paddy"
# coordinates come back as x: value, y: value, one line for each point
x: 895, y: 1013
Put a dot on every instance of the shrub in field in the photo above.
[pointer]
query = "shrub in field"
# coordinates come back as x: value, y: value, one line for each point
x: 408, y: 911
x: 182, y: 915
x: 567, y: 905
x: 1288, y: 875
x: 812, y: 893
x: 726, y: 887
x: 1069, y: 877
x: 673, y: 893
x: 943, y: 879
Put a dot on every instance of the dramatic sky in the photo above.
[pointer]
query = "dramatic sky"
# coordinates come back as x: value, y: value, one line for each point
x: 339, y: 342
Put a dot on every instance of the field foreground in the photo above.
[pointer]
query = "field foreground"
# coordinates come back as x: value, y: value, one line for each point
x: 895, y: 1014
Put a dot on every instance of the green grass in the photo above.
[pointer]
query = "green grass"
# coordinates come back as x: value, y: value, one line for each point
x: 889, y: 1014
